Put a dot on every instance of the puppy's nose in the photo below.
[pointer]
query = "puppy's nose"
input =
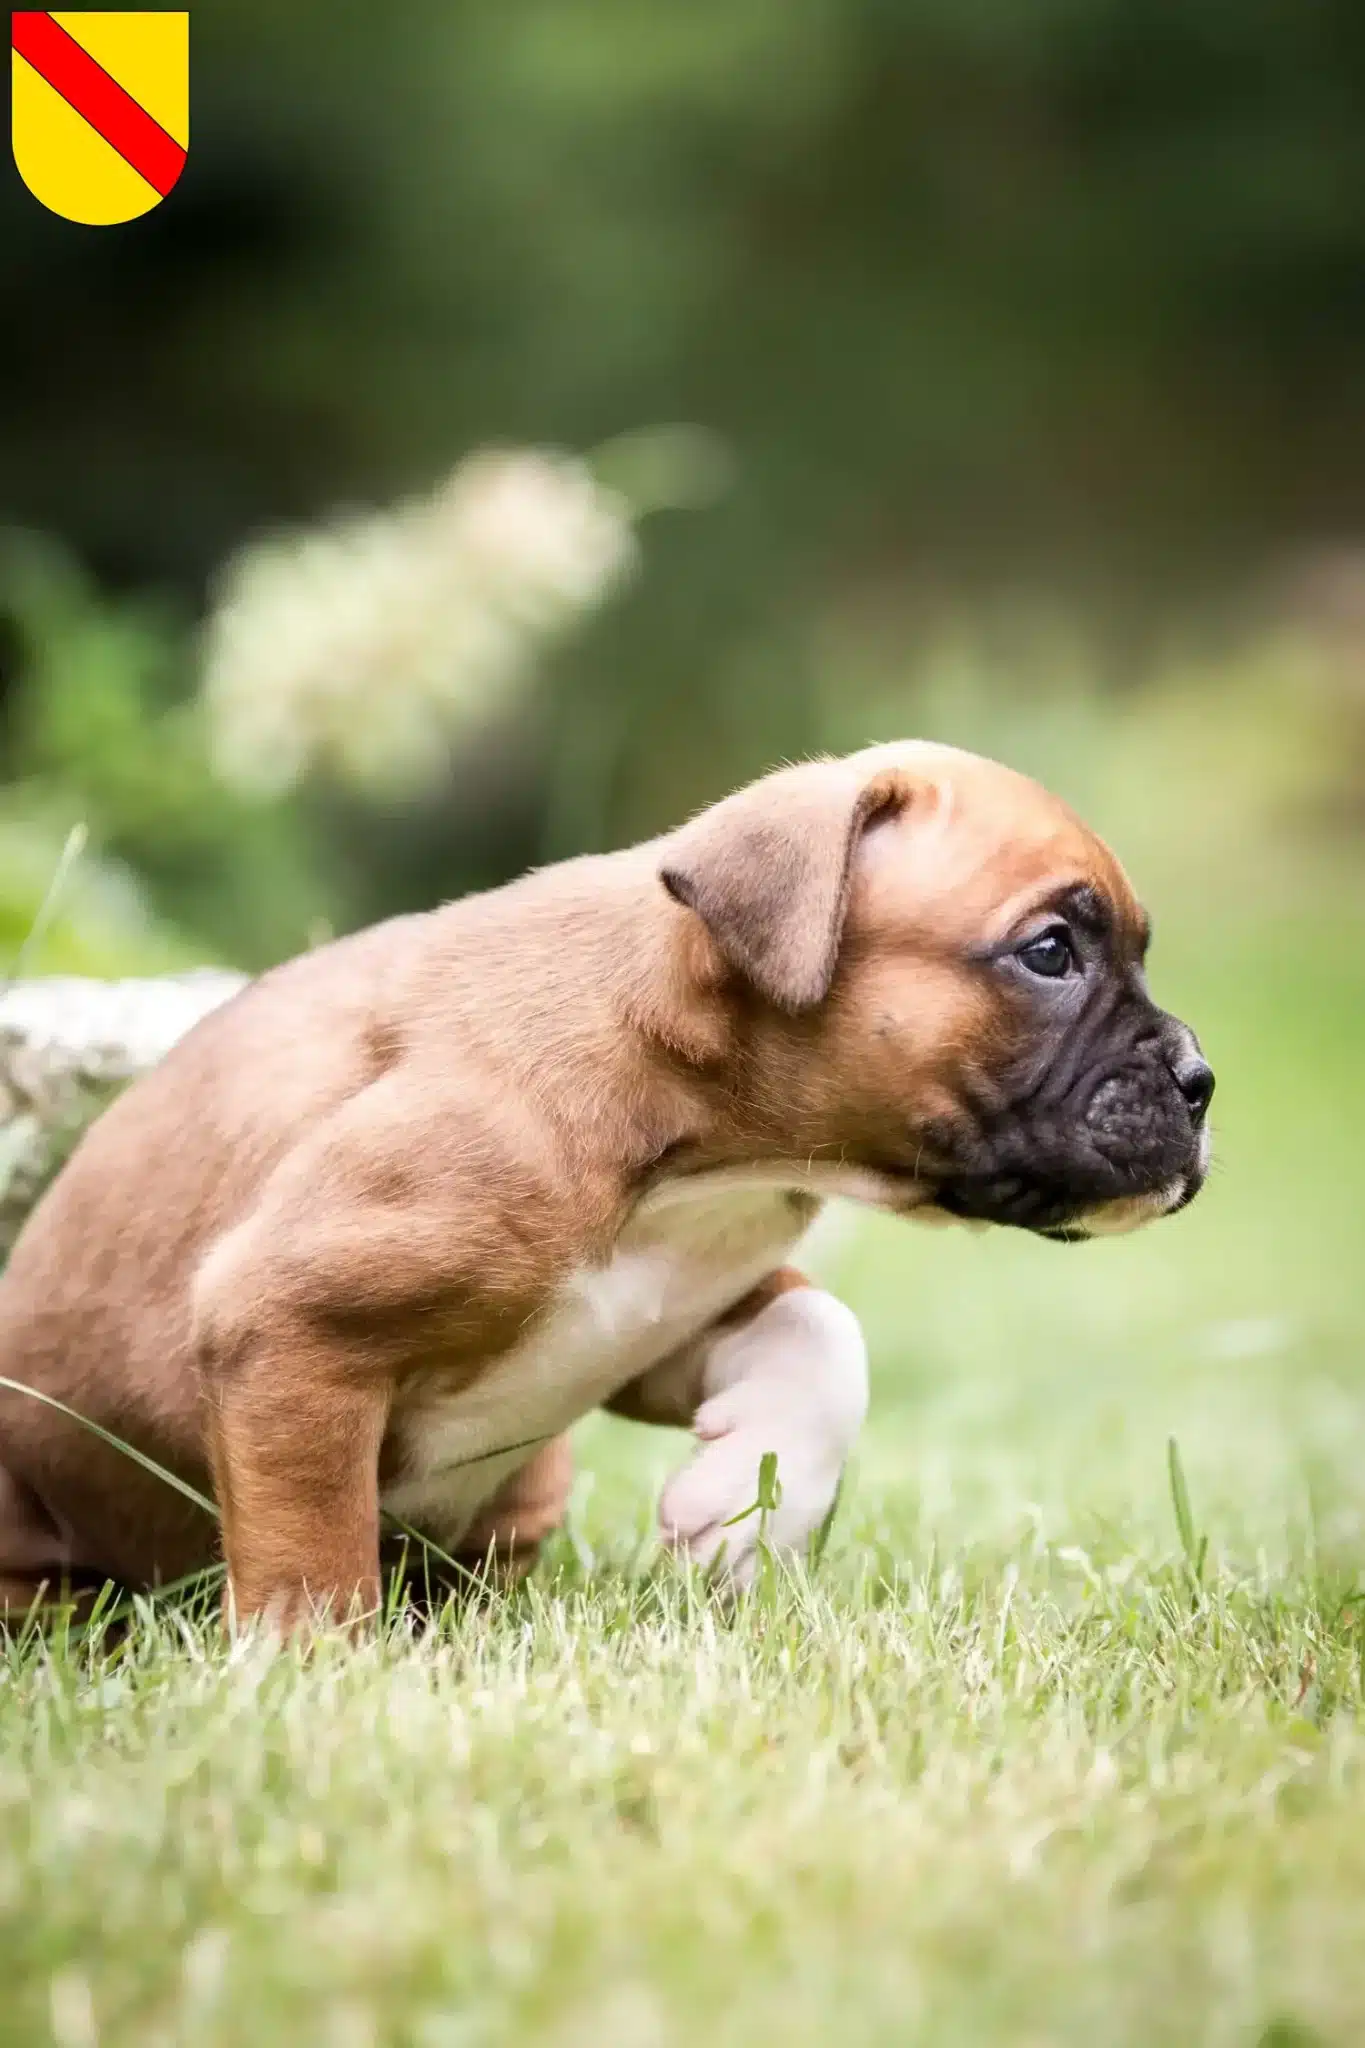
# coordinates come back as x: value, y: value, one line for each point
x: 1194, y: 1079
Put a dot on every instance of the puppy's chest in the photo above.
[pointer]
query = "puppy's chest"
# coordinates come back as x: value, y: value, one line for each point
x: 687, y: 1254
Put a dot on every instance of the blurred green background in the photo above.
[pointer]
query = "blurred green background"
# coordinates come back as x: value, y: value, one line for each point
x: 990, y: 370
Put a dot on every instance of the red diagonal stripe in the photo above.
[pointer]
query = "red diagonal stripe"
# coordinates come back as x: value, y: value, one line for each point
x: 99, y: 99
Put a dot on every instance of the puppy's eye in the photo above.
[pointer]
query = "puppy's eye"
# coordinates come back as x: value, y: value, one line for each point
x: 1051, y: 954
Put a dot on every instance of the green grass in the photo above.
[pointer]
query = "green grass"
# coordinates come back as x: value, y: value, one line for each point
x: 1029, y: 1759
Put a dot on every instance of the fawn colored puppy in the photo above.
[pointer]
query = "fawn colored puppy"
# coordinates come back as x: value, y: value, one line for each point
x: 379, y: 1231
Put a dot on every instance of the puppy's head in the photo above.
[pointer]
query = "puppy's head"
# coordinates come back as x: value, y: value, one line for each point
x: 937, y: 979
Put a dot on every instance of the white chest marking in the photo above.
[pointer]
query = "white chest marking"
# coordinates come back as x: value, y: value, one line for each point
x: 691, y: 1250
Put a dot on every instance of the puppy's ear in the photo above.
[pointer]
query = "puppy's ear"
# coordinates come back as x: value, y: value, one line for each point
x: 768, y: 872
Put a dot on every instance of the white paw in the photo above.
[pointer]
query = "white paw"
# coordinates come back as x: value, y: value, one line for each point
x: 792, y: 1382
x: 696, y: 1514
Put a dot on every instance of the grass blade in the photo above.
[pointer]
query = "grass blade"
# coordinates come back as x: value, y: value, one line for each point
x: 43, y: 916
x: 819, y: 1542
x: 1194, y: 1547
x: 115, y: 1443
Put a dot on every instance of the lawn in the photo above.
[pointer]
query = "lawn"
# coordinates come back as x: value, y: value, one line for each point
x: 1027, y: 1757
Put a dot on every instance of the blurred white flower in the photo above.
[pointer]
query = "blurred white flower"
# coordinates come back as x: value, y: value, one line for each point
x: 365, y: 649
x: 1250, y: 1337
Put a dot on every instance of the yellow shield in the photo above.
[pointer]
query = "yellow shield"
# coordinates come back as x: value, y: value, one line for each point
x: 101, y: 110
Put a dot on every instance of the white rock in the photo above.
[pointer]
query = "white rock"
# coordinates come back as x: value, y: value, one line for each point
x: 67, y: 1046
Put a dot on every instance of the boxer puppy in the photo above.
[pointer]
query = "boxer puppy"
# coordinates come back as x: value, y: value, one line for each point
x: 380, y: 1230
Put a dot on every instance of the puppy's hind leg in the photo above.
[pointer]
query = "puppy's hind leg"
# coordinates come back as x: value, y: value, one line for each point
x: 506, y: 1536
x: 501, y: 1544
x: 35, y: 1559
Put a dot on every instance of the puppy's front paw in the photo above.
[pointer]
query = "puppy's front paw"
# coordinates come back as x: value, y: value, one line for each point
x: 793, y: 1382
x: 696, y: 1514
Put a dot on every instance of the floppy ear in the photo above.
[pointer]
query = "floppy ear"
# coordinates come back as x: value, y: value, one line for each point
x: 768, y: 872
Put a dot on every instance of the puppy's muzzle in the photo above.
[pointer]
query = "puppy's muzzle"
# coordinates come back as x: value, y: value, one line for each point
x: 1195, y: 1080
x: 1132, y: 1146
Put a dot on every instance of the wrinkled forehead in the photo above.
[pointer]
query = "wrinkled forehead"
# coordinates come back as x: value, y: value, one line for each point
x: 984, y: 848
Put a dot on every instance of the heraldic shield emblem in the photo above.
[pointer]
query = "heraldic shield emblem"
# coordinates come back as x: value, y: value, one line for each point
x: 100, y: 110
